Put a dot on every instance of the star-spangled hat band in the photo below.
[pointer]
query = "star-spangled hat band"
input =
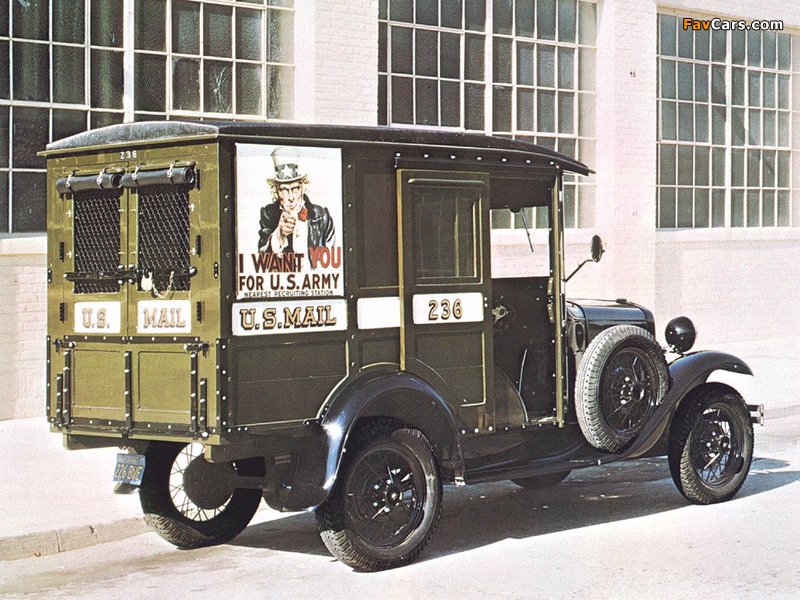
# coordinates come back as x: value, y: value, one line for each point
x: 286, y: 166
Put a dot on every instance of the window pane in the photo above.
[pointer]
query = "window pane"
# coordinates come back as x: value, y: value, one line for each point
x: 546, y: 65
x: 737, y: 127
x: 68, y: 21
x: 524, y: 63
x: 753, y: 209
x: 427, y: 12
x: 784, y: 219
x: 566, y: 68
x: 473, y: 69
x: 426, y: 52
x: 450, y: 103
x: 718, y: 43
x: 769, y: 128
x: 30, y: 135
x: 248, y: 89
x: 501, y: 61
x: 685, y: 207
x: 185, y: 27
x: 685, y: 42
x: 769, y: 90
x: 753, y: 168
x: 685, y: 121
x: 737, y: 47
x: 383, y: 100
x: 737, y: 208
x: 783, y: 129
x: 737, y: 168
x: 31, y: 72
x: 280, y: 36
x: 586, y: 69
x: 401, y: 10
x: 451, y: 14
x: 248, y: 34
x: 754, y: 127
x: 718, y: 92
x: 503, y: 16
x: 685, y: 81
x: 104, y: 119
x: 666, y: 164
x: 666, y: 207
x: 566, y: 107
x: 718, y: 117
x: 5, y: 87
x: 588, y: 23
x: 784, y: 45
x: 4, y: 137
x: 149, y: 25
x: 754, y: 48
x: 149, y: 82
x: 546, y: 111
x: 667, y: 39
x: 685, y: 175
x: 106, y: 17
x: 768, y: 168
x: 382, y: 47
x: 546, y: 19
x: 701, y: 83
x: 186, y: 84
x: 427, y: 102
x: 737, y: 92
x: 474, y: 107
x: 68, y: 62
x: 280, y: 92
x: 566, y: 20
x: 667, y: 78
x: 217, y: 21
x: 718, y: 166
x: 525, y: 17
x: 402, y: 100
x: 525, y: 99
x: 502, y: 109
x: 29, y: 197
x: 701, y: 160
x: 701, y: 207
x: 475, y: 14
x: 782, y: 170
x: 218, y: 87
x: 701, y: 43
x: 31, y: 19
x: 68, y: 122
x: 718, y: 208
x: 754, y: 88
x: 768, y: 208
x: 106, y: 79
x: 783, y: 91
x: 3, y: 201
x: 449, y: 55
x: 444, y: 221
x: 770, y: 50
x: 401, y: 49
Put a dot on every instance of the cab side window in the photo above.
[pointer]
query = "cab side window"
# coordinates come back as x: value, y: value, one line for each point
x: 445, y: 225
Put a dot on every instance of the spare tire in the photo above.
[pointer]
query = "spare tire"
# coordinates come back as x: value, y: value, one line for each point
x: 621, y: 380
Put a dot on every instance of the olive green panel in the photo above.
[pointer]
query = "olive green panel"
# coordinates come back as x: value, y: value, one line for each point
x: 285, y: 382
x: 98, y: 384
x: 380, y: 350
x: 163, y: 387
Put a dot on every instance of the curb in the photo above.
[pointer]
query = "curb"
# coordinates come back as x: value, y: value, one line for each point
x: 57, y: 541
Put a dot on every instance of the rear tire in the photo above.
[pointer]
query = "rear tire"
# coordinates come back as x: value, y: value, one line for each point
x: 387, y: 500
x: 711, y: 446
x: 191, y: 502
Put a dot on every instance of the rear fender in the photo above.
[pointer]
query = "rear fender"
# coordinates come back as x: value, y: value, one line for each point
x: 686, y: 373
x: 378, y: 393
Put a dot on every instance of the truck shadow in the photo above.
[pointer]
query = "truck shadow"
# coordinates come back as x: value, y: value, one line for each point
x: 480, y: 515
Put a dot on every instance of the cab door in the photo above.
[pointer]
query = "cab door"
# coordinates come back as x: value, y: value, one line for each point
x: 445, y: 286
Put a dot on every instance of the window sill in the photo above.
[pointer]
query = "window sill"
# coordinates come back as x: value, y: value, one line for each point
x: 23, y: 244
x: 729, y: 234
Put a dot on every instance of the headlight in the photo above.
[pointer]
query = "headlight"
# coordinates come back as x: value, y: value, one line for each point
x: 680, y: 334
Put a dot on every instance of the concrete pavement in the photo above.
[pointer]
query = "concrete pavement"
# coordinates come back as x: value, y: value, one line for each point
x: 53, y: 500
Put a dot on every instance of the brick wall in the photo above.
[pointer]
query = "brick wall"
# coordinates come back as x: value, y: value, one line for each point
x: 23, y: 328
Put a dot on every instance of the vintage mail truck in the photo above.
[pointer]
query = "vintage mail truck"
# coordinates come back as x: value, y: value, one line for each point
x: 309, y: 314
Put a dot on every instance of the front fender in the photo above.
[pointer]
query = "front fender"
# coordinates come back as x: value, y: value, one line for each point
x: 378, y: 393
x: 686, y: 373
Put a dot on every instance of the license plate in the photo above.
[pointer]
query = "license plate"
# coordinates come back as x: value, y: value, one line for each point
x: 130, y: 468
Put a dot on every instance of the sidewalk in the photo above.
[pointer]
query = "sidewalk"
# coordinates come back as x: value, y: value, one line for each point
x: 54, y: 500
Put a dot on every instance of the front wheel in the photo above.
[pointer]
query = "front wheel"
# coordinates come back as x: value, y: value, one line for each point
x: 191, y: 502
x: 387, y: 500
x: 711, y: 446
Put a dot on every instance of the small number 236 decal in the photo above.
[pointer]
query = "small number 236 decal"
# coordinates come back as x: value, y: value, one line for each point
x: 127, y: 154
x: 445, y: 310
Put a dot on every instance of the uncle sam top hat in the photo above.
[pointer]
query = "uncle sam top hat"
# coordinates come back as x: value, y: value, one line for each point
x: 287, y: 170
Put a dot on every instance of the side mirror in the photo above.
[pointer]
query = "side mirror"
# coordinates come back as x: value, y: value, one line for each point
x: 597, y: 248
x: 597, y: 253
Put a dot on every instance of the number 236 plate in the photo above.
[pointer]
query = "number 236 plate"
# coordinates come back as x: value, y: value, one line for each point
x: 130, y: 468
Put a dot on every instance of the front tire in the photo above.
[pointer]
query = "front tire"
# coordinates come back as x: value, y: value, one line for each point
x: 191, y: 502
x: 711, y: 446
x: 387, y: 500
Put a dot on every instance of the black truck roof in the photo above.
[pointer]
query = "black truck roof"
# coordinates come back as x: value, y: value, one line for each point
x: 149, y: 131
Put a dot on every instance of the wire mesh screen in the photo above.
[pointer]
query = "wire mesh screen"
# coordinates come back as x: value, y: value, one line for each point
x: 163, y: 239
x: 97, y: 241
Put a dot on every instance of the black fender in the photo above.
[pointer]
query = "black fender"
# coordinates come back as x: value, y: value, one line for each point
x: 377, y: 392
x: 686, y: 373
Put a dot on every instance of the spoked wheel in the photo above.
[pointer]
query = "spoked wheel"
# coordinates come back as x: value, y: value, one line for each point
x: 191, y: 502
x: 386, y: 502
x: 621, y: 381
x: 711, y: 446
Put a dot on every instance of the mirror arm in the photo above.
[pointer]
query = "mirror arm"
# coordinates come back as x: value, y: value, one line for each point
x: 578, y: 268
